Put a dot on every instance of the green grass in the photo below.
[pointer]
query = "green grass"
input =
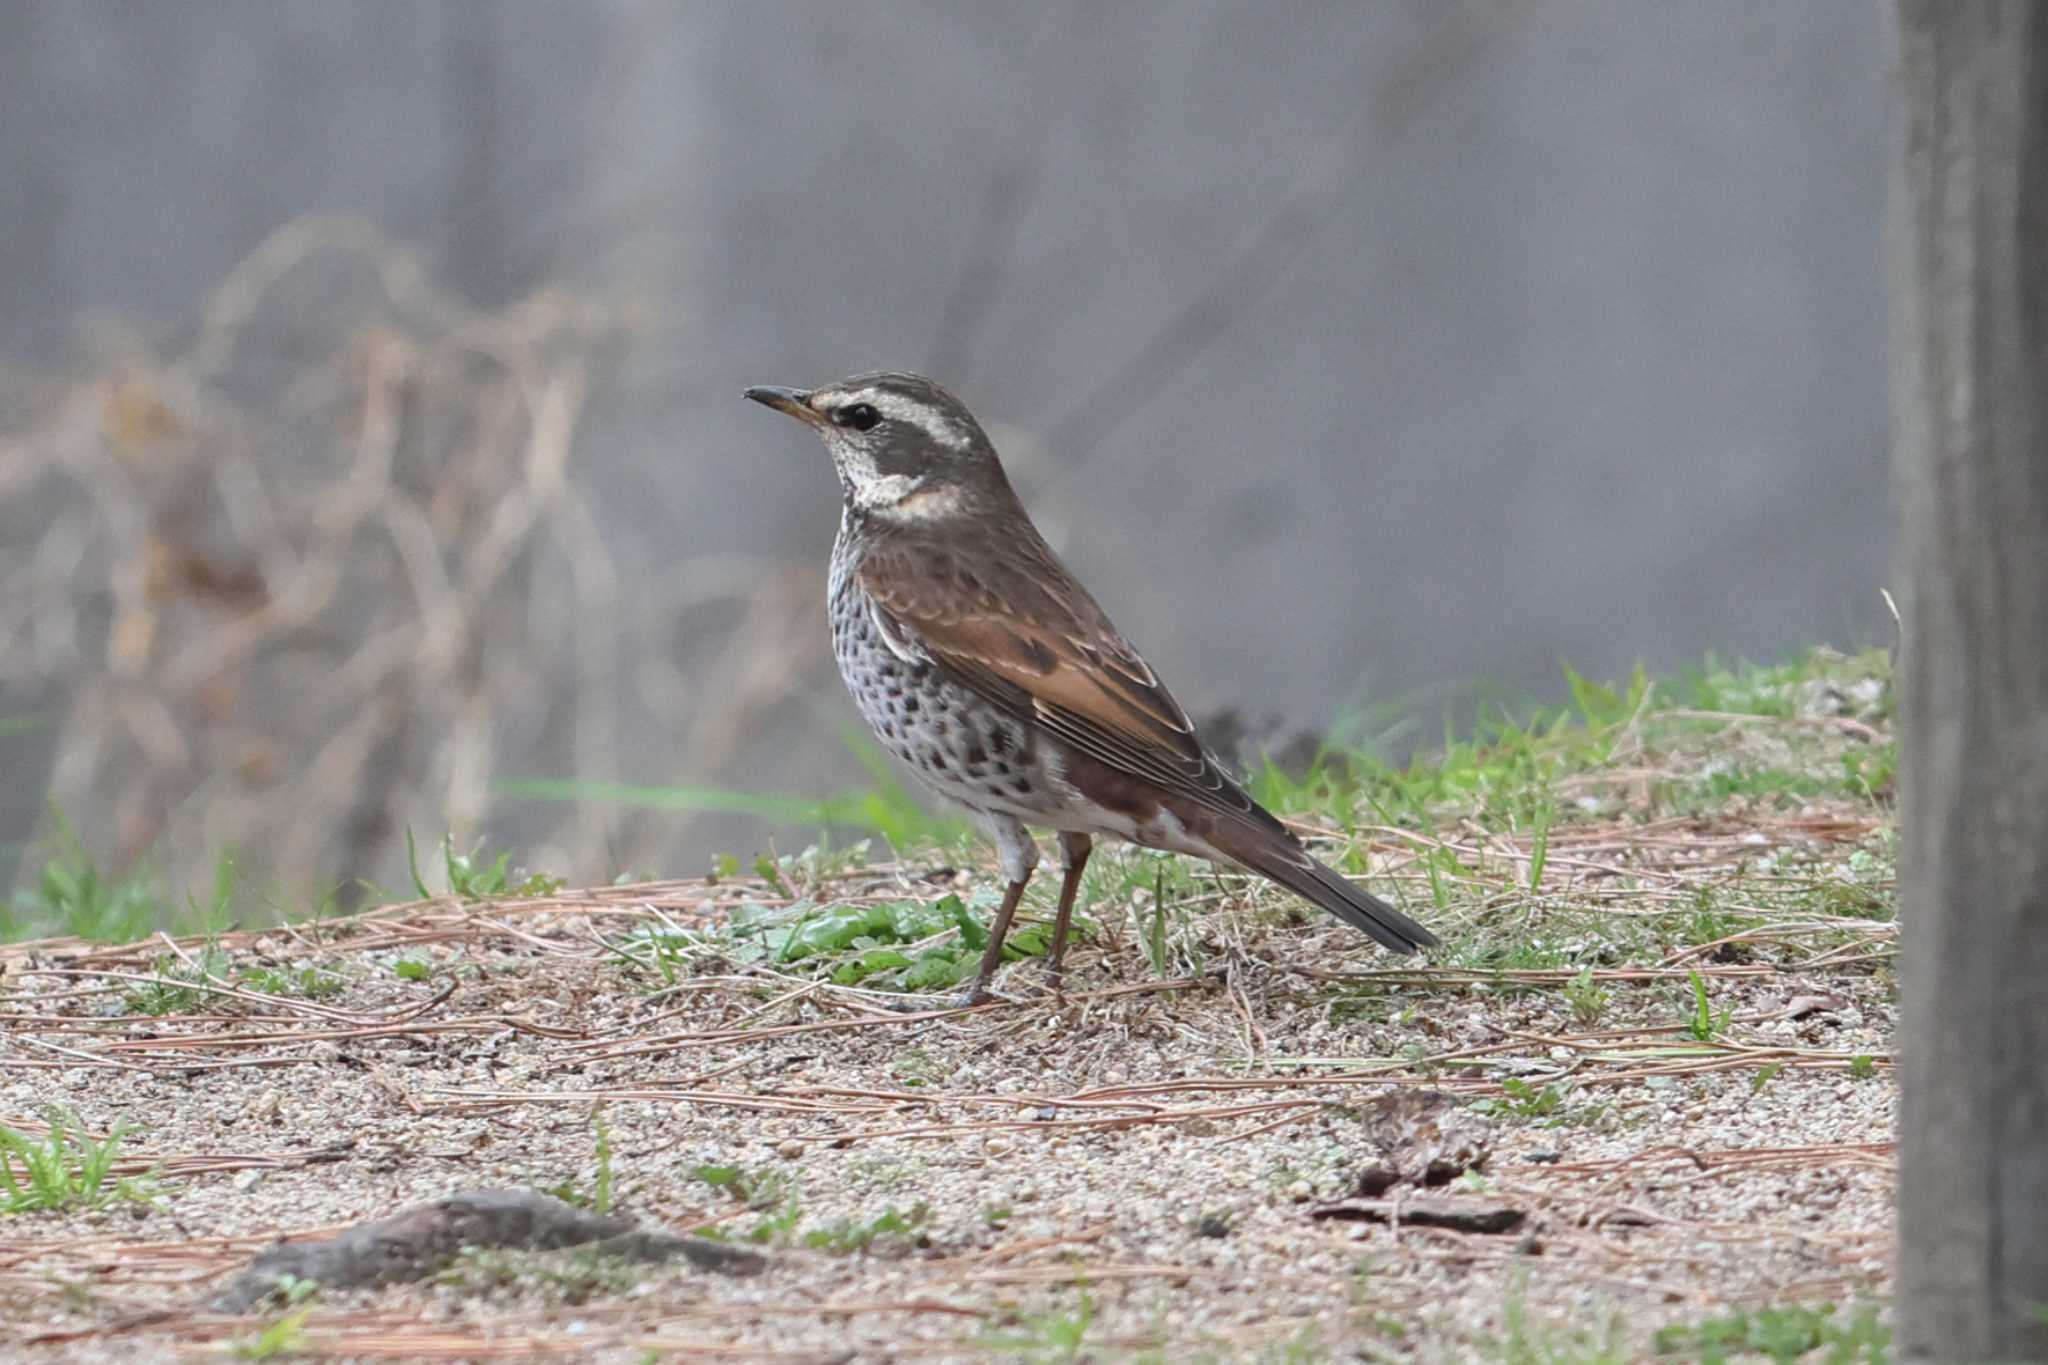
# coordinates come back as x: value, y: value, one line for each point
x: 845, y: 1236
x: 1587, y: 1000
x: 70, y: 893
x: 570, y: 1276
x: 66, y: 1168
x: 1519, y: 1099
x: 1821, y: 1335
x: 1634, y: 753
x: 662, y: 952
x: 768, y: 1193
x: 903, y: 945
x: 598, y: 1197
x: 469, y: 877
x: 1780, y: 689
x: 1702, y: 1024
x: 1544, y: 1107
x: 1503, y: 772
x: 773, y: 1196
x: 1519, y: 768
x: 280, y: 1339
x: 183, y: 985
x: 1523, y: 1342
x: 67, y: 891
x: 1050, y: 1336
x: 178, y: 986
x: 302, y: 983
x: 885, y: 807
x: 758, y: 1190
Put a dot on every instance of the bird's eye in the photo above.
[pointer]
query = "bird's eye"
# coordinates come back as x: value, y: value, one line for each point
x: 859, y: 416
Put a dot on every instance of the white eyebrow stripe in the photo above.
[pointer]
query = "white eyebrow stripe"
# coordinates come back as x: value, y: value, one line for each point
x: 894, y: 406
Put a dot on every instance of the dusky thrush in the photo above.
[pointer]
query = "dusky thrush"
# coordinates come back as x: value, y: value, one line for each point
x: 981, y: 664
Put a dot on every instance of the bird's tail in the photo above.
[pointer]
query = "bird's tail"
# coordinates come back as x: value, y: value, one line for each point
x: 1282, y: 860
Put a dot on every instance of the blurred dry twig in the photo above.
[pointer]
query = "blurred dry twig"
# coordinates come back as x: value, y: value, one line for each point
x: 302, y: 579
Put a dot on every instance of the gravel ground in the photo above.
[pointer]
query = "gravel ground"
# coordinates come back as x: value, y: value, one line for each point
x: 1205, y: 1167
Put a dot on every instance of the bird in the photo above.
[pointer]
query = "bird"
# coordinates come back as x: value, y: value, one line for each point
x: 981, y: 663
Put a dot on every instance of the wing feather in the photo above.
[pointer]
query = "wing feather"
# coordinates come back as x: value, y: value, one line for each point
x: 1019, y: 631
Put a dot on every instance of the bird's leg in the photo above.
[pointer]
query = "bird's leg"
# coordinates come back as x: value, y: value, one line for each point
x: 1017, y: 855
x: 992, y: 956
x: 1074, y: 851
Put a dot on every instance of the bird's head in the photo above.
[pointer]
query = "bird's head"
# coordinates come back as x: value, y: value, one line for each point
x: 906, y: 449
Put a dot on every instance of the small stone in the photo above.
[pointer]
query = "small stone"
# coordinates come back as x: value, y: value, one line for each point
x: 1375, y: 1181
x: 789, y: 1149
x: 1300, y: 1191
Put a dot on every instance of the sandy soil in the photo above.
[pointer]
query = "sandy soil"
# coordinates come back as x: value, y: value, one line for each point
x: 1199, y: 1166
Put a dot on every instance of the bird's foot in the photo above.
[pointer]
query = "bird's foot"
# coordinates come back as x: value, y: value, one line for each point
x: 977, y: 994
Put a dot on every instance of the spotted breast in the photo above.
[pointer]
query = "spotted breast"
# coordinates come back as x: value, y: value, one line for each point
x: 957, y: 743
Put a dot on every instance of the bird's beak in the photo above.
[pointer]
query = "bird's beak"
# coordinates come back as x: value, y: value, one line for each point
x: 795, y: 402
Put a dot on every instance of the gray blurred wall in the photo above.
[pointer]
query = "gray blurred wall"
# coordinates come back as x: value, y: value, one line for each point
x: 1550, y: 329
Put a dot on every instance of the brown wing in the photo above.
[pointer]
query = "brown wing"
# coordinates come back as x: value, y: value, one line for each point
x: 1014, y: 626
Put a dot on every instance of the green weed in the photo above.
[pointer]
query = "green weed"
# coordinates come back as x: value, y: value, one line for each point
x: 1521, y: 1100
x: 1601, y: 707
x: 843, y: 1236
x: 885, y: 807
x: 909, y: 945
x: 1702, y: 1024
x: 1784, y: 689
x: 66, y: 1168
x: 1783, y: 1335
x: 574, y: 1275
x: 469, y: 878
x: 770, y: 1193
x: 178, y: 985
x: 1872, y: 773
x: 1526, y: 1343
x: 1049, y: 1336
x: 72, y: 894
x: 305, y: 983
x: 1155, y: 933
x: 599, y: 1197
x: 659, y: 950
x: 778, y: 1225
x: 1587, y: 999
x: 761, y: 1190
x: 284, y: 1337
